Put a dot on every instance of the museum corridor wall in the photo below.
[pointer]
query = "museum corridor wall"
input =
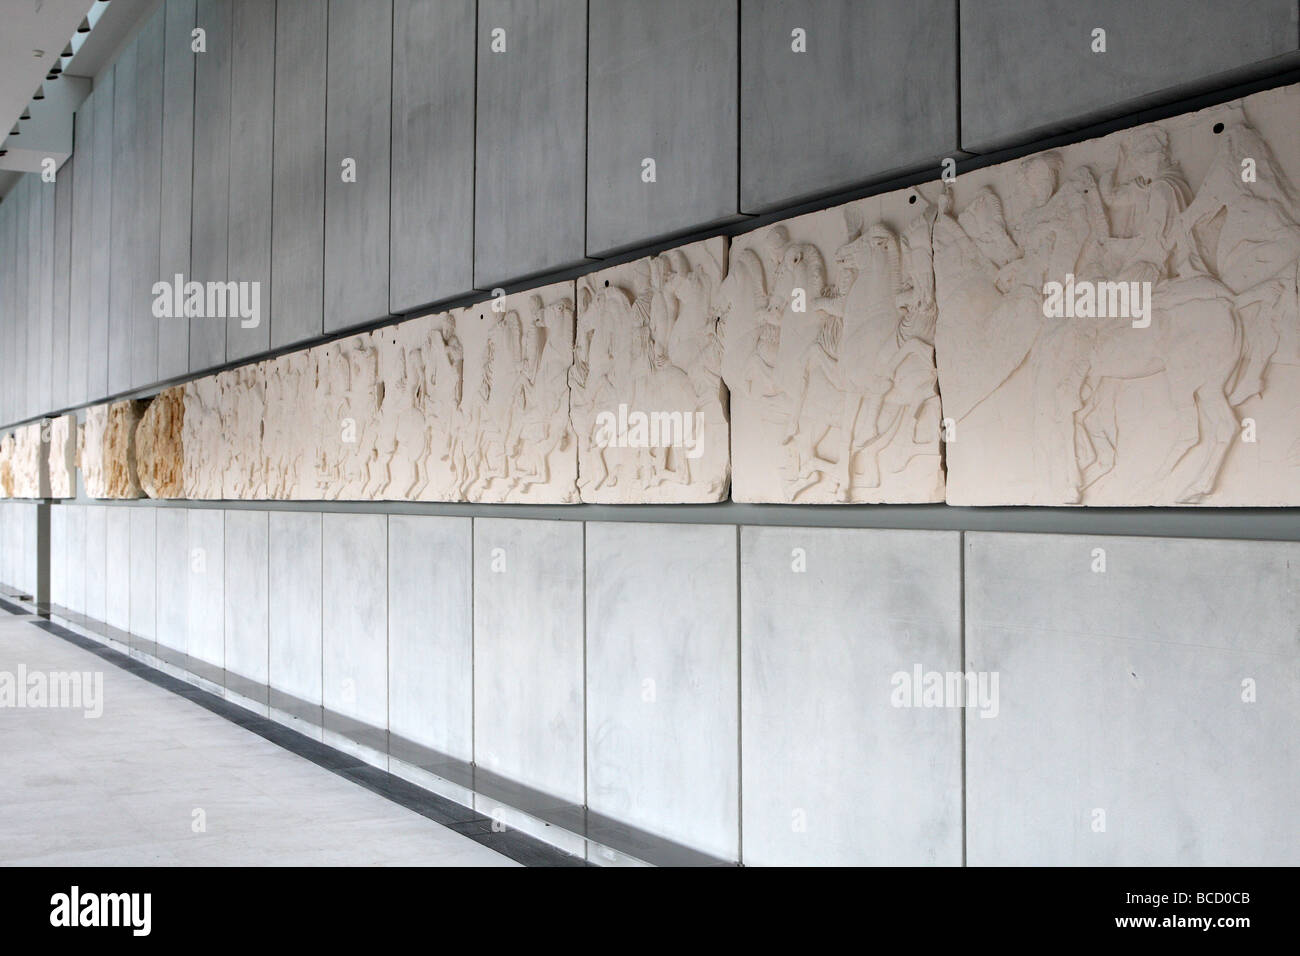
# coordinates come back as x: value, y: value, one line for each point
x: 690, y: 432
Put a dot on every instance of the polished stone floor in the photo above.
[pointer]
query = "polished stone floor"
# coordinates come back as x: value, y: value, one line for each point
x: 158, y: 780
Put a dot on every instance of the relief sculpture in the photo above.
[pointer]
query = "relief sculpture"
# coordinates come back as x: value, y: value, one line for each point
x: 121, y: 479
x: 403, y: 438
x: 829, y: 355
x: 513, y: 438
x: 158, y: 445
x: 287, y: 426
x: 349, y: 396
x: 243, y: 413
x: 108, y: 451
x: 92, y: 451
x: 202, y: 441
x: 647, y: 400
x: 1118, y: 319
x: 444, y: 366
x: 61, y: 456
x: 7, y: 466
x: 24, y: 456
x: 1114, y: 322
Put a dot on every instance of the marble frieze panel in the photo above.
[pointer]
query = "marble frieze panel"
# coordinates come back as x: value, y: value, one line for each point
x: 243, y: 411
x: 513, y: 440
x: 90, y: 449
x: 828, y: 327
x: 424, y: 371
x: 30, y: 470
x: 120, y: 477
x: 386, y: 401
x: 1114, y: 322
x: 108, y: 450
x: 345, y: 415
x: 159, y: 447
x: 61, y: 456
x: 289, y: 428
x: 203, y: 444
x: 7, y: 466
x: 470, y: 405
x: 365, y: 417
x: 647, y: 399
x: 24, y: 471
x: 1118, y: 319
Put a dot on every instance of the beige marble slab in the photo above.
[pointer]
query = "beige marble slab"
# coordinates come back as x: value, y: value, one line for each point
x: 1192, y: 400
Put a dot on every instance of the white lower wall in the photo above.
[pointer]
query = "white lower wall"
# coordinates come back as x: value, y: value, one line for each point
x: 58, y: 556
x: 75, y: 570
x: 836, y: 772
x: 528, y: 619
x: 117, y: 578
x: 669, y: 675
x: 431, y: 633
x: 294, y: 618
x: 18, y: 545
x: 246, y: 607
x: 172, y: 570
x: 206, y: 611
x: 1149, y: 710
x: 97, y: 562
x: 354, y: 645
x: 662, y: 691
x: 144, y: 572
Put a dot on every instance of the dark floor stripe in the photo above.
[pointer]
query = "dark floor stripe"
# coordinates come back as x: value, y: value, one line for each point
x: 13, y: 608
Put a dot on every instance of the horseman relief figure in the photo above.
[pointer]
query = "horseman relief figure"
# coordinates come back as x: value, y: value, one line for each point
x: 648, y: 405
x: 512, y: 440
x: 1097, y: 408
x: 828, y: 350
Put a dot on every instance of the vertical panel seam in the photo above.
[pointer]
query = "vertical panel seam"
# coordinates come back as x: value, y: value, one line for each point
x: 324, y: 199
x: 266, y: 627
x: 320, y: 607
x: 189, y: 232
x: 231, y: 38
x: 586, y: 795
x: 740, y: 730
x: 956, y: 12
x: 473, y: 161
x: 392, y: 88
x: 961, y: 634
x: 586, y: 252
x: 740, y: 113
x: 473, y: 649
x: 388, y: 644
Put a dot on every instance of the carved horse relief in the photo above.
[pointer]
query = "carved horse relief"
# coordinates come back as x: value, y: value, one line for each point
x: 1132, y: 408
x: 443, y: 369
x: 512, y: 439
x: 646, y: 396
x: 832, y: 372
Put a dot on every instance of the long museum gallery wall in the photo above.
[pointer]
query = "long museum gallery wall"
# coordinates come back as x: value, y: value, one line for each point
x: 1115, y: 322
